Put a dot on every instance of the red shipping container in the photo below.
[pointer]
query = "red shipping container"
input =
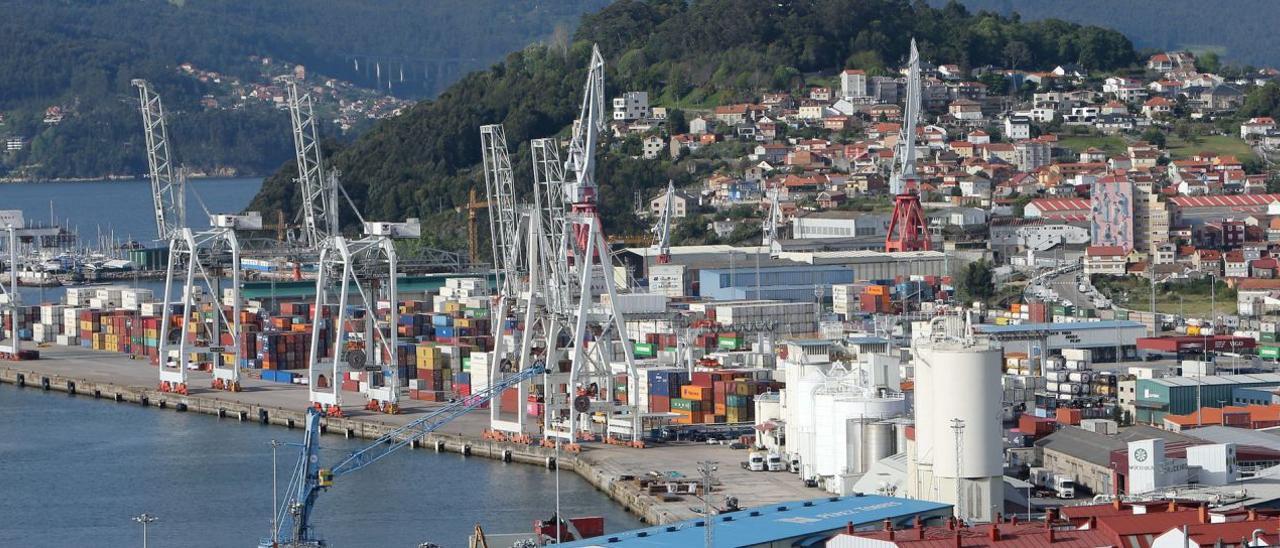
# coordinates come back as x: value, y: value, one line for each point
x: 510, y: 398
x: 1031, y: 425
x: 659, y: 404
x: 1067, y: 415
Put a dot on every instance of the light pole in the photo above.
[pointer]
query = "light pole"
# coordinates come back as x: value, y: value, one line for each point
x: 275, y: 494
x: 957, y: 427
x: 145, y: 519
x: 707, y: 468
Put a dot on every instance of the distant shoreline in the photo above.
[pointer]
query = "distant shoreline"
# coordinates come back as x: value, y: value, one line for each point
x: 118, y: 178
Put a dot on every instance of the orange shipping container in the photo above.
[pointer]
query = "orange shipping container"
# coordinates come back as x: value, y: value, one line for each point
x: 693, y: 392
x: 877, y: 290
x: 1069, y: 416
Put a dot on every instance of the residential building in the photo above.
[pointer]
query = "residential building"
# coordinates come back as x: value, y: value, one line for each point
x: 1257, y: 127
x: 1107, y: 260
x: 1150, y: 217
x: 853, y: 84
x: 680, y: 204
x: 1029, y: 155
x: 965, y: 110
x: 653, y: 146
x: 699, y: 126
x: 633, y: 105
x: 1017, y: 127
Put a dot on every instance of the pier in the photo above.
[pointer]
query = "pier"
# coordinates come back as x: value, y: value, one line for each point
x: 614, y: 470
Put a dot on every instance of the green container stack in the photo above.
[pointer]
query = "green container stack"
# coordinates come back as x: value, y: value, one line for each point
x: 645, y: 350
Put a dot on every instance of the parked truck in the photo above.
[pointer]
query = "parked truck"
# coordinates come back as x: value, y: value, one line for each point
x: 755, y: 462
x: 775, y: 463
x: 1060, y: 486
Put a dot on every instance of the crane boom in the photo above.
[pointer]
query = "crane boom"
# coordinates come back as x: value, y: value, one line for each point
x: 168, y: 193
x: 662, y: 230
x: 503, y: 218
x: 319, y: 189
x: 309, y: 479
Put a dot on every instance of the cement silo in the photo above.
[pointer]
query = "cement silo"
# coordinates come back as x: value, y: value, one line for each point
x: 957, y: 456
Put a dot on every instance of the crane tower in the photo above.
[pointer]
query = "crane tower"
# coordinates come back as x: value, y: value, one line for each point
x: 907, y: 228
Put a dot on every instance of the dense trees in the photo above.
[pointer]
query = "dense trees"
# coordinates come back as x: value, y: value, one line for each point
x: 685, y: 54
x: 83, y: 54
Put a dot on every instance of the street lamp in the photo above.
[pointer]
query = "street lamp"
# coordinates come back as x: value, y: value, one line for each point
x: 145, y: 519
x: 275, y: 494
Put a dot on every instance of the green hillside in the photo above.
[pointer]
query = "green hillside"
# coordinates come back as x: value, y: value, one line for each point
x: 422, y: 163
x: 80, y: 55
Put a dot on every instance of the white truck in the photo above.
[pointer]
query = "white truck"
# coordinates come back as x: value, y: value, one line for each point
x: 775, y: 463
x: 1062, y: 487
x: 755, y: 462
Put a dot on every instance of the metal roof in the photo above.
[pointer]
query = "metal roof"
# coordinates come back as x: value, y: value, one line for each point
x: 992, y: 329
x: 1096, y: 448
x: 766, y: 524
x: 1218, y: 380
x: 1238, y: 436
x: 1228, y: 200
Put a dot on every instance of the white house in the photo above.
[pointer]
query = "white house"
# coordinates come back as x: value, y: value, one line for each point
x: 680, y: 204
x: 853, y: 84
x: 1017, y: 127
x: 1257, y: 127
x: 653, y: 147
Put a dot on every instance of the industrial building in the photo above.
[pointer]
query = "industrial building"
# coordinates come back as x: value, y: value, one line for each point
x: 806, y: 523
x: 1156, y: 398
x: 1105, y: 339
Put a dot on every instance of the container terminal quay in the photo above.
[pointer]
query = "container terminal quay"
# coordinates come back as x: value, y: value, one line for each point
x: 800, y: 392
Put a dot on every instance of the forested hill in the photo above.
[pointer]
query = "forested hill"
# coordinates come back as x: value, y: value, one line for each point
x: 79, y: 56
x: 682, y: 53
x: 1241, y: 31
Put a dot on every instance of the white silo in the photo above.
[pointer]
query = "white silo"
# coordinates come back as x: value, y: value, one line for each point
x: 958, y: 450
x: 800, y: 425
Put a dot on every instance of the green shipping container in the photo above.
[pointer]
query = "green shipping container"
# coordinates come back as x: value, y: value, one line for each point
x: 644, y: 350
x: 1268, y: 337
x: 734, y: 400
x: 1272, y: 352
x: 686, y: 405
x: 1059, y: 310
x: 727, y: 343
x: 1122, y: 314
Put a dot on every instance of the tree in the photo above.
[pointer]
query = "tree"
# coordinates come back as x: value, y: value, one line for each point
x: 1208, y: 62
x: 676, y: 121
x: 975, y: 282
x: 1016, y: 54
x: 1154, y: 136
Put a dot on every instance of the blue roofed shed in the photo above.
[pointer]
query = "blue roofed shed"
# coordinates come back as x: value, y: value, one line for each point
x: 799, y: 523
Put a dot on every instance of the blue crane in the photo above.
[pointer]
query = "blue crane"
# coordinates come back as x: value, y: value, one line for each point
x: 309, y: 479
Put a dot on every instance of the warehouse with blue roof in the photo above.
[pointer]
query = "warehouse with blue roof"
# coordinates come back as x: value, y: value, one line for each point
x: 789, y: 524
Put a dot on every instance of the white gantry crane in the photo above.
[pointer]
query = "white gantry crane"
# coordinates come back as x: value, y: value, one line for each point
x: 319, y: 188
x: 203, y: 254
x: 571, y: 325
x: 506, y: 217
x: 351, y: 269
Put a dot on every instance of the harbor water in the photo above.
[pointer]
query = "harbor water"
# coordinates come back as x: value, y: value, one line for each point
x: 76, y: 469
x: 119, y: 209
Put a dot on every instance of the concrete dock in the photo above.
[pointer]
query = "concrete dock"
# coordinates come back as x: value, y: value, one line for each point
x: 615, y: 470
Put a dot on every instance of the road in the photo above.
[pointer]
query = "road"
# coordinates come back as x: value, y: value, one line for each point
x: 1064, y: 283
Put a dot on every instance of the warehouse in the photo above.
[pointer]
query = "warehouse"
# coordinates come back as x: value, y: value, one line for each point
x: 1155, y: 398
x: 877, y: 265
x: 800, y: 523
x: 793, y: 282
x: 1104, y: 339
x: 1088, y: 457
x: 1198, y: 209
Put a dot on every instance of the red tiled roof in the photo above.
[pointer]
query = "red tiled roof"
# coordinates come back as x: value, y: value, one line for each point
x: 1104, y: 251
x: 1012, y: 535
x: 1230, y: 200
x: 1060, y: 204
